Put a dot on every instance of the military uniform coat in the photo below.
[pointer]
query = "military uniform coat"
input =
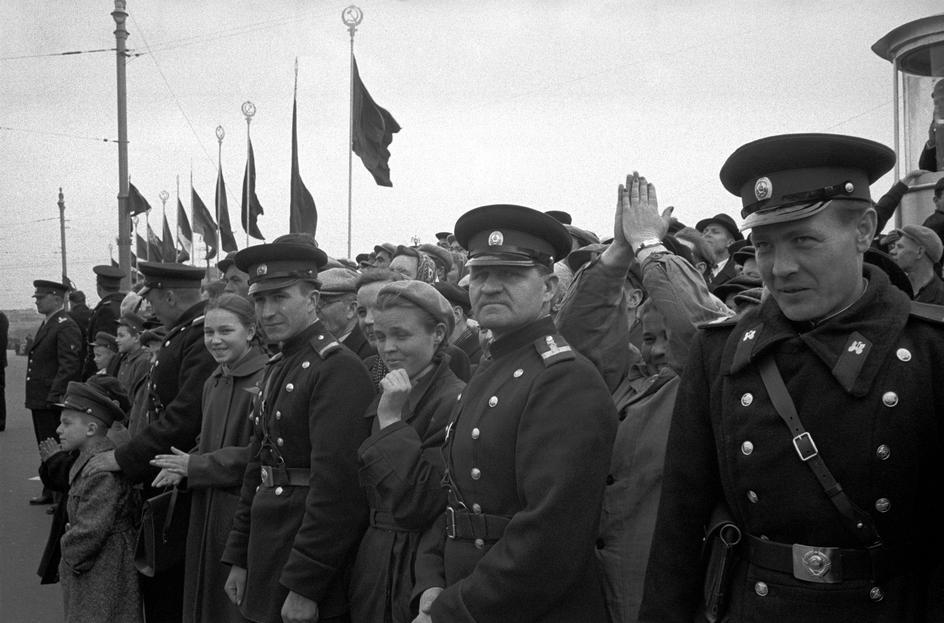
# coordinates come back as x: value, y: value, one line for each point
x: 98, y: 576
x: 529, y: 441
x: 175, y: 391
x: 299, y: 538
x: 866, y: 387
x: 401, y: 472
x: 104, y: 317
x: 214, y: 476
x: 53, y: 361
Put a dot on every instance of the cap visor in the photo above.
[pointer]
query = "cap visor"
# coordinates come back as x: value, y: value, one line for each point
x: 772, y: 216
x: 497, y: 260
x: 272, y: 284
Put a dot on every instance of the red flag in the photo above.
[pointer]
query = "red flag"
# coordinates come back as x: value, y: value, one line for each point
x: 250, y: 213
x: 374, y: 128
x: 154, y: 246
x: 222, y: 210
x: 184, y: 233
x: 168, y: 248
x: 203, y: 224
x: 137, y: 204
x: 303, y: 216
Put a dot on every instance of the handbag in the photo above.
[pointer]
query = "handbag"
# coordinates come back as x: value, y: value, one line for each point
x: 162, y: 537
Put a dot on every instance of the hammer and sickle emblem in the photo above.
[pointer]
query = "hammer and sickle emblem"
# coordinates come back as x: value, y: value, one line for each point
x: 495, y: 239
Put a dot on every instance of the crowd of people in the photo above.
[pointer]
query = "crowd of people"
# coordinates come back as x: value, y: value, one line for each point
x: 524, y: 421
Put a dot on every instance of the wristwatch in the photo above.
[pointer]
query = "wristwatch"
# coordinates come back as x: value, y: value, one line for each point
x: 645, y: 244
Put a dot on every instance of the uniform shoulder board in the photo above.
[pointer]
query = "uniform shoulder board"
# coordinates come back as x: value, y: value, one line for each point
x: 198, y: 321
x: 719, y: 323
x: 553, y: 349
x: 927, y: 311
x: 324, y: 345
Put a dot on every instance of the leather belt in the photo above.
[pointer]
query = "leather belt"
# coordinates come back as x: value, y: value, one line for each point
x: 386, y: 521
x: 825, y: 565
x: 278, y: 476
x: 461, y: 524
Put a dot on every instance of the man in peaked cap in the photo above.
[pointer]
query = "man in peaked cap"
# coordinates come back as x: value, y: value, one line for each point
x: 719, y: 232
x: 174, y: 411
x: 525, y: 477
x: 52, y: 362
x: 105, y: 314
x: 301, y: 510
x: 832, y: 489
x: 917, y: 251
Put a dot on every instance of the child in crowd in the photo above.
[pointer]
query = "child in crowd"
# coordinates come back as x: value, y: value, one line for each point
x: 97, y: 572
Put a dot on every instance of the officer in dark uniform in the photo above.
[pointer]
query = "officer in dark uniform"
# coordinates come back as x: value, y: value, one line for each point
x: 527, y: 450
x: 108, y: 310
x: 53, y: 361
x: 174, y: 412
x: 838, y: 504
x: 301, y: 511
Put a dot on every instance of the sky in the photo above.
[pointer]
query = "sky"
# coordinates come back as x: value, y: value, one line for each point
x: 547, y: 104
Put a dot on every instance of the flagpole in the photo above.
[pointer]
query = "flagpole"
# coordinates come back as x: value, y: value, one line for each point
x: 147, y: 231
x: 352, y: 17
x: 220, y: 133
x: 249, y: 109
x: 164, y: 196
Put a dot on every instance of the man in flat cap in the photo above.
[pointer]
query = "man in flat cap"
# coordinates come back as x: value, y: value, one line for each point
x: 52, y: 362
x: 235, y: 280
x: 175, y: 413
x: 337, y: 309
x: 719, y: 232
x: 301, y: 511
x: 917, y: 250
x: 465, y: 332
x: 527, y: 449
x: 106, y: 313
x: 812, y: 419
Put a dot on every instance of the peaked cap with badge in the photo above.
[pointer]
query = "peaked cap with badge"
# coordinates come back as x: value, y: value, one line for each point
x: 85, y: 398
x: 281, y: 263
x: 793, y: 176
x: 44, y: 287
x: 167, y: 276
x: 511, y: 235
x: 108, y: 276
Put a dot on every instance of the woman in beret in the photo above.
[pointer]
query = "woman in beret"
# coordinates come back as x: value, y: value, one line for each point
x: 214, y: 470
x: 401, y: 466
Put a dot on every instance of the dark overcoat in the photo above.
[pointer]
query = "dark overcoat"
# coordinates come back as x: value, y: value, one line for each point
x: 53, y: 361
x: 214, y: 475
x: 98, y: 576
x: 529, y: 443
x: 299, y: 538
x: 866, y: 385
x: 175, y: 392
x: 358, y: 343
x: 401, y: 471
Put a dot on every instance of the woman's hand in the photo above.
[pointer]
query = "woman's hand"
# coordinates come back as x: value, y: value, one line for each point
x: 396, y: 390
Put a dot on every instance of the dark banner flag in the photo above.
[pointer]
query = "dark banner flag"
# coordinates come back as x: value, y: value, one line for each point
x: 142, y: 247
x: 168, y: 249
x: 222, y: 210
x: 137, y: 204
x: 303, y: 216
x: 374, y: 128
x: 250, y: 213
x: 184, y: 233
x: 154, y: 246
x: 203, y: 224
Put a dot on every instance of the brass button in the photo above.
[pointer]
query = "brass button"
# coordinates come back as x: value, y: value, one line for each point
x: 279, y: 490
x: 903, y: 354
x: 479, y: 544
x: 746, y: 448
x: 876, y: 594
x: 257, y: 420
x: 882, y: 505
x: 280, y: 442
x: 890, y: 399
x: 747, y: 399
x: 752, y: 497
x: 167, y: 343
x: 518, y: 373
x: 476, y: 473
x: 320, y: 337
x: 475, y: 433
x: 477, y: 509
x: 289, y: 387
x: 493, y: 401
x: 883, y: 452
x: 278, y: 415
x: 761, y: 589
x: 306, y: 365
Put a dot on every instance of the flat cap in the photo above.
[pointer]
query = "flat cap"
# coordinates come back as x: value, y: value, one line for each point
x: 157, y: 334
x: 736, y: 284
x: 442, y: 235
x: 440, y: 255
x: 336, y: 281
x: 420, y: 294
x: 86, y: 398
x: 106, y: 274
x: 386, y: 247
x: 561, y: 216
x: 133, y: 321
x: 924, y: 237
x: 794, y: 176
x: 724, y: 221
x: 511, y: 235
x: 44, y: 287
x: 161, y: 276
x: 281, y: 263
x: 743, y: 254
x: 103, y: 338
x: 582, y: 236
x: 224, y: 264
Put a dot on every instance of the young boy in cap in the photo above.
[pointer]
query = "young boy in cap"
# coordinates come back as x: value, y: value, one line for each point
x: 104, y: 353
x: 815, y: 417
x: 97, y: 572
x: 106, y: 313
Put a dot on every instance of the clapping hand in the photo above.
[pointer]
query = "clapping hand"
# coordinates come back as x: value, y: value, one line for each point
x: 174, y: 468
x: 47, y: 448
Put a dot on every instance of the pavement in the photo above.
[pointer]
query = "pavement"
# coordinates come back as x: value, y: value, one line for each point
x: 23, y: 528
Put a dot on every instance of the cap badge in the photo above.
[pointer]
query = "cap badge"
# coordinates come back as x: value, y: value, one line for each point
x: 763, y: 189
x: 261, y: 270
x: 496, y: 239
